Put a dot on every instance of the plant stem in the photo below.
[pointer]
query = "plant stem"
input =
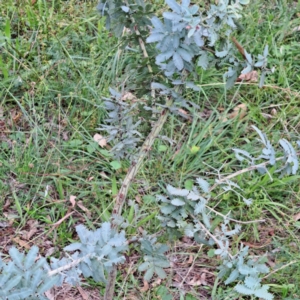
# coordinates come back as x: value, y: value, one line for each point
x: 110, y: 285
x: 122, y: 194
x: 248, y: 169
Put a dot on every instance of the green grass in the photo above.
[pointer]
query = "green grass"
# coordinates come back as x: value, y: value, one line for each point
x: 57, y: 62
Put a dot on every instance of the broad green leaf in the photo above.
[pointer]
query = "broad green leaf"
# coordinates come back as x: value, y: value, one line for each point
x: 162, y: 148
x: 194, y: 149
x: 188, y: 184
x: 116, y: 165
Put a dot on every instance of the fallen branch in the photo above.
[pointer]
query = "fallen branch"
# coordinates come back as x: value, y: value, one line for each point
x: 122, y: 194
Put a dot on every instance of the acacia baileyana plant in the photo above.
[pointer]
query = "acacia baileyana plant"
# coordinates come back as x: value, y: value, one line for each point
x: 171, y: 48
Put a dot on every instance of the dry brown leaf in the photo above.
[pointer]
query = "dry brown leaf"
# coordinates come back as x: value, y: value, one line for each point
x: 267, y: 116
x: 103, y: 175
x: 240, y: 110
x: 129, y: 97
x: 72, y: 200
x: 145, y: 288
x: 183, y: 111
x: 256, y: 245
x: 185, y: 114
x: 63, y: 219
x: 83, y: 294
x: 22, y: 243
x: 10, y: 217
x: 191, y: 259
x: 132, y: 297
x: 3, y: 224
x: 16, y: 115
x: 80, y: 204
x: 33, y: 228
x: 177, y: 278
x: 50, y: 251
x: 138, y: 199
x: 100, y: 140
x: 203, y: 279
x: 157, y: 282
x: 7, y: 204
x: 198, y: 280
x: 296, y: 217
x: 249, y: 77
x: 65, y: 135
x: 1, y: 112
x: 271, y: 263
x: 140, y: 229
x: 273, y: 112
x: 50, y: 295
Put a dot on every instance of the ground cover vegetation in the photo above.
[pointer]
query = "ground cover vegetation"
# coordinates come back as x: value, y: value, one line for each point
x: 210, y: 223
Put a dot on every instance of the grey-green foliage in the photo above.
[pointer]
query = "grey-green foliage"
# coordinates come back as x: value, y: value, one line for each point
x: 187, y: 211
x: 185, y: 37
x: 177, y: 98
x: 249, y: 65
x: 120, y: 127
x: 24, y: 277
x: 120, y: 15
x: 180, y: 204
x: 288, y: 165
x: 247, y: 271
x: 187, y: 34
x: 129, y: 20
x: 154, y: 258
x: 229, y: 185
x: 240, y: 267
x: 96, y: 253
